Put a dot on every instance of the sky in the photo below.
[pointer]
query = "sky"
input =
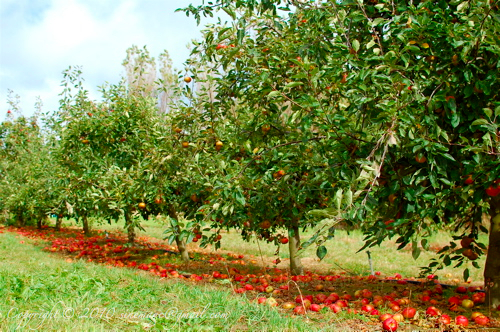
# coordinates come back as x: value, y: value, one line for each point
x: 41, y: 38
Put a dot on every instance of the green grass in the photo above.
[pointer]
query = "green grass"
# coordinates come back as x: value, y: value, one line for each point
x: 342, y: 253
x: 43, y: 292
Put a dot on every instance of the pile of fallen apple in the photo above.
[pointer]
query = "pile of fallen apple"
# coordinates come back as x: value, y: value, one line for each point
x: 396, y: 307
x: 389, y: 301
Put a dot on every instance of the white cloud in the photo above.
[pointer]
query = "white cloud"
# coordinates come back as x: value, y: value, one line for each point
x: 41, y: 38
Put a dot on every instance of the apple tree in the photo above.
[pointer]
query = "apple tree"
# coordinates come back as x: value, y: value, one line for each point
x: 108, y: 148
x: 25, y: 189
x: 290, y: 136
x: 405, y: 92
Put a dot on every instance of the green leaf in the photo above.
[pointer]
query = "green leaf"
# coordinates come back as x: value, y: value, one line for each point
x: 323, y: 213
x: 452, y: 104
x: 455, y: 120
x: 447, y: 260
x: 239, y: 198
x: 337, y: 199
x: 308, y: 242
x: 415, y: 250
x: 479, y: 122
x: 463, y: 6
x: 293, y: 84
x: 240, y: 35
x: 321, y: 252
x: 466, y: 274
x: 348, y: 197
x: 413, y: 48
x: 355, y: 45
x: 378, y: 21
x: 488, y: 112
x: 273, y: 94
x: 229, y: 11
x: 448, y: 156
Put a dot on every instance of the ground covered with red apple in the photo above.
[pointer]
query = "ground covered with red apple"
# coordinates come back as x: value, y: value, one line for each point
x: 374, y: 302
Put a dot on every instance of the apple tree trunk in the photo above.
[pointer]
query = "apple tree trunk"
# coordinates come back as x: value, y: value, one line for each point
x: 20, y: 219
x: 492, y: 266
x: 86, y: 227
x: 58, y: 222
x: 181, y: 244
x: 293, y: 247
x: 130, y: 228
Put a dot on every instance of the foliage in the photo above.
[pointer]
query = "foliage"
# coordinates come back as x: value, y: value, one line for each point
x: 25, y: 186
x: 397, y: 101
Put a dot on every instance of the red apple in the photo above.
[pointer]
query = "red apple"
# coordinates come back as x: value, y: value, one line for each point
x: 315, y: 307
x: 409, y: 312
x: 378, y: 301
x: 432, y: 311
x: 306, y: 303
x: 366, y: 293
x: 346, y: 297
x: 262, y: 300
x: 462, y: 320
x: 398, y: 317
x: 444, y: 319
x: 299, y: 310
x: 478, y: 298
x: 367, y: 308
x: 341, y: 303
x: 384, y: 317
x: 335, y: 308
x: 493, y: 190
x: 461, y: 290
x: 482, y: 320
x: 390, y: 324
x: 475, y: 314
x: 469, y: 179
x: 320, y: 298
x: 404, y: 301
x: 365, y: 301
x: 334, y: 297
